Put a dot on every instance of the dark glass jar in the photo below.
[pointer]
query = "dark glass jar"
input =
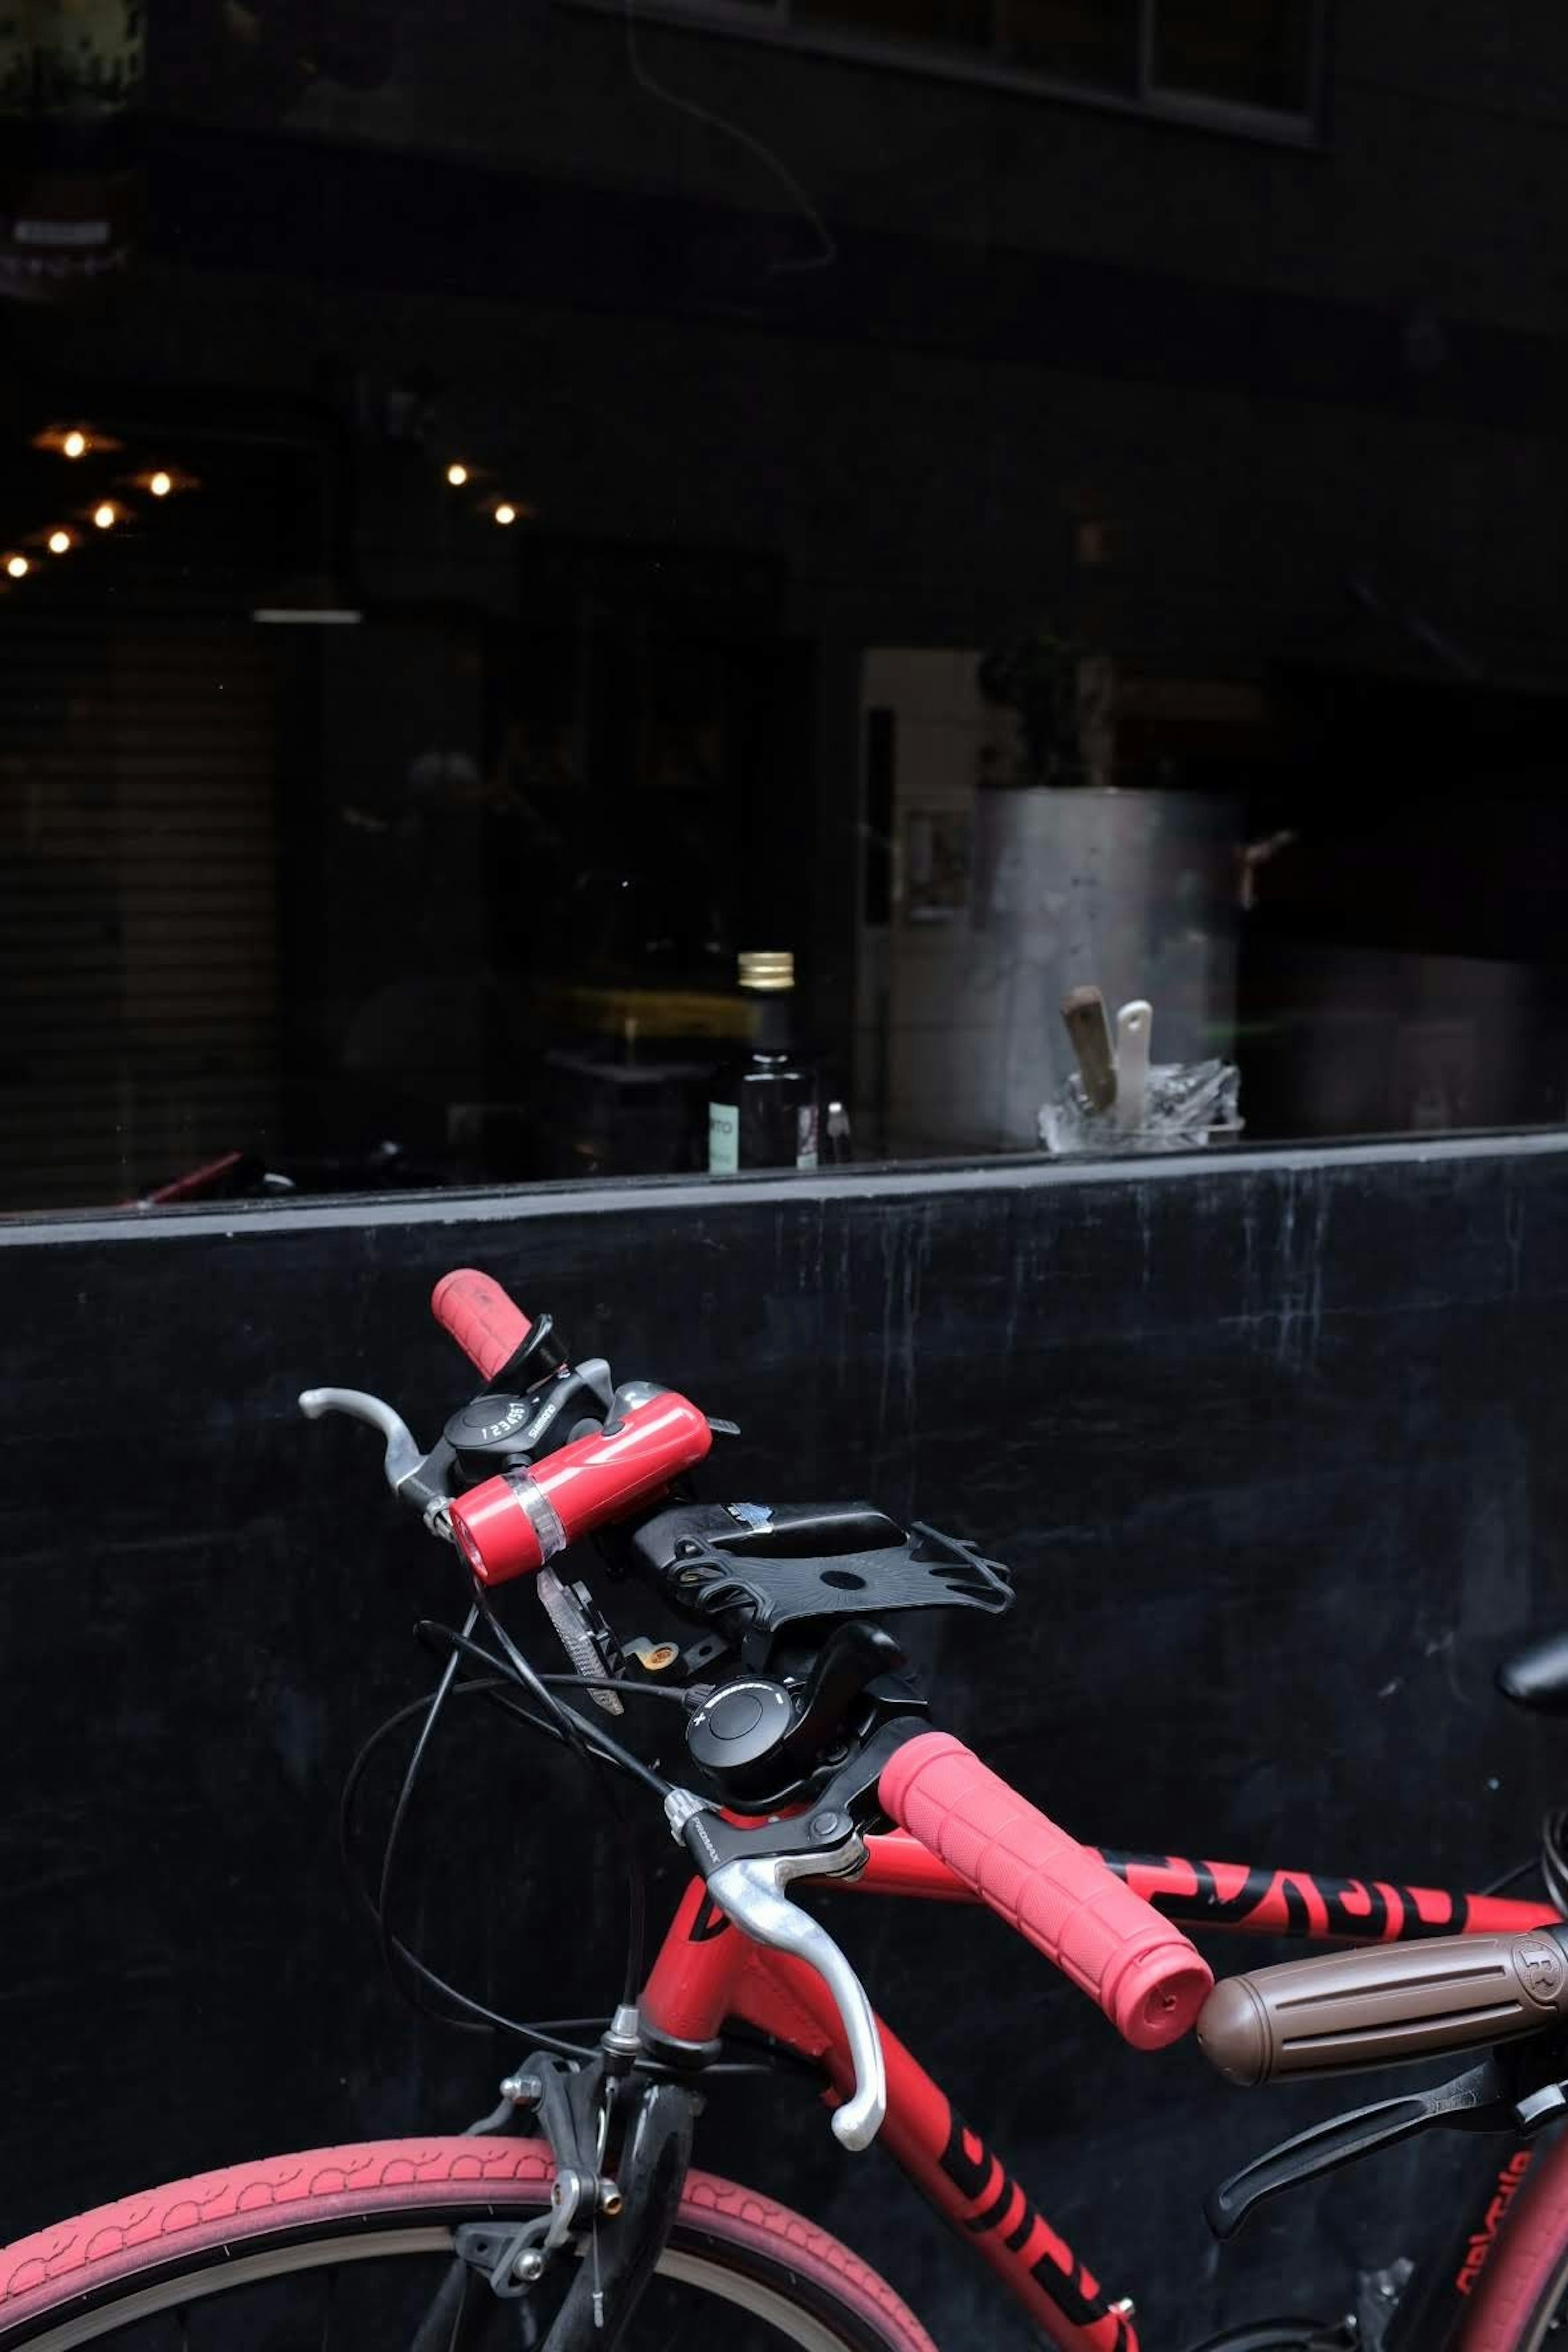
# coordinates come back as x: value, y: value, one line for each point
x: 763, y: 1106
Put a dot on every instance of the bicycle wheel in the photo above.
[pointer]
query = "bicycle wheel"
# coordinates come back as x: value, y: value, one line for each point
x: 349, y: 2246
x: 1522, y: 2295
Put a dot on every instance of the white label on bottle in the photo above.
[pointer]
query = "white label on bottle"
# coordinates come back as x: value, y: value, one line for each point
x: 724, y: 1139
x: 806, y: 1136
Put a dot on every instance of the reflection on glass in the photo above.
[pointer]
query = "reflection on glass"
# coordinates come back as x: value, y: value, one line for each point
x: 1092, y: 42
x: 1250, y: 52
x: 485, y: 561
x: 961, y: 24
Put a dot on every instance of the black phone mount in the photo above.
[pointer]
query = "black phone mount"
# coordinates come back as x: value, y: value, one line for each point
x: 754, y: 1571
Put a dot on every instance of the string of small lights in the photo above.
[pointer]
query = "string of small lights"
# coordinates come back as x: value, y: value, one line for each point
x: 500, y: 509
x: 74, y: 442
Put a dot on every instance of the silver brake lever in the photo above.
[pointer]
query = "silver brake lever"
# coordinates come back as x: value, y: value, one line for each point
x: 750, y: 1893
x: 402, y: 1457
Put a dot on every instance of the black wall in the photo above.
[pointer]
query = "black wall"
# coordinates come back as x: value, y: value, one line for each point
x: 1275, y: 1444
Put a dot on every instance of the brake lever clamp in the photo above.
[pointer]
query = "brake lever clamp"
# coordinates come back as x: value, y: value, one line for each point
x: 841, y: 1808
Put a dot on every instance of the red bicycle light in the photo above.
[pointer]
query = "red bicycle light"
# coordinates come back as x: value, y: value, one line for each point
x: 509, y: 1526
x: 469, y: 1516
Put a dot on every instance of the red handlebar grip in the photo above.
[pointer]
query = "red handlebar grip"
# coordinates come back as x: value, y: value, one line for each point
x: 1141, y: 1971
x: 476, y: 1310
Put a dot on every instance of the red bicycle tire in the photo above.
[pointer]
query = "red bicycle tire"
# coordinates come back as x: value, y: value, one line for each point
x: 1524, y: 2282
x: 190, y: 2229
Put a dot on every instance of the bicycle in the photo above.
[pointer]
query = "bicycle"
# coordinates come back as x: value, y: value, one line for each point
x: 572, y: 2214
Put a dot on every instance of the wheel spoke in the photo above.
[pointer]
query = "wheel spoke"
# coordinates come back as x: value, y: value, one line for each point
x: 443, y: 2328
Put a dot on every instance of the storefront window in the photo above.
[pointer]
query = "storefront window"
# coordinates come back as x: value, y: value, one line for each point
x: 1255, y: 53
x: 505, y: 513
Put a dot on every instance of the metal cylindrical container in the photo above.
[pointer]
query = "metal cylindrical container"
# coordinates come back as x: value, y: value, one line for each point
x: 1131, y: 891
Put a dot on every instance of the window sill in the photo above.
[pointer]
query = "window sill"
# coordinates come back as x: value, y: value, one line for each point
x: 738, y: 20
x: 518, y: 1205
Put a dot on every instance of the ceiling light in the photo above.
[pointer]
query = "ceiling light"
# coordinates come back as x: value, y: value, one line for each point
x: 59, y: 542
x: 163, y: 482
x: 74, y: 440
x: 17, y: 566
x: 456, y: 475
x: 107, y: 515
x: 505, y: 513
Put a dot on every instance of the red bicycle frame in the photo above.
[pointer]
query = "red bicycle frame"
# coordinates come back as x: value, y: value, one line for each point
x: 707, y: 1972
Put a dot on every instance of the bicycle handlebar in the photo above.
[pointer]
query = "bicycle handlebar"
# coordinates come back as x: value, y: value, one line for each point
x: 1141, y: 1970
x: 1145, y: 1975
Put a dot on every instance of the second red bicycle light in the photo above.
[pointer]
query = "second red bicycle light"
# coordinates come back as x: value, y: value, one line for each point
x: 511, y: 1524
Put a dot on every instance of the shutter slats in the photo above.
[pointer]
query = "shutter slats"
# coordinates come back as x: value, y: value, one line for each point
x: 138, y: 880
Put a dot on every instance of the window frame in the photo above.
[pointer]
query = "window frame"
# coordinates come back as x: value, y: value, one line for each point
x: 768, y: 23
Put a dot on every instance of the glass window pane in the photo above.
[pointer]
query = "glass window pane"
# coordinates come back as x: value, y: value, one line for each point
x: 962, y: 24
x: 1252, y: 52
x: 1094, y: 42
x: 488, y: 557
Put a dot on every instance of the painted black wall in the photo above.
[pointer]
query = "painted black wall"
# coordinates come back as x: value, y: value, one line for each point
x: 1276, y: 1446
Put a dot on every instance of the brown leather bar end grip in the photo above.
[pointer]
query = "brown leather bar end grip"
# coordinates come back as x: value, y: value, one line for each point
x: 1384, y: 2002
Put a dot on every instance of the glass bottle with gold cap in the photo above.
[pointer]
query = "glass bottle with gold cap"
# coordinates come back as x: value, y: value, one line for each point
x: 763, y: 1106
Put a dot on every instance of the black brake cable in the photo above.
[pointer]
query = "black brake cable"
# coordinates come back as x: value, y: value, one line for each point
x: 479, y: 2015
x: 491, y: 1687
x: 622, y: 1683
x: 597, y: 1746
x: 1507, y: 1878
x: 768, y: 2059
x: 1554, y: 1857
x: 398, y: 1956
x: 587, y: 1739
x: 405, y: 1798
x: 566, y: 1724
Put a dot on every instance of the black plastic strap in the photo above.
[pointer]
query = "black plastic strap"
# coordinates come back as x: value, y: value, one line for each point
x: 541, y: 1354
